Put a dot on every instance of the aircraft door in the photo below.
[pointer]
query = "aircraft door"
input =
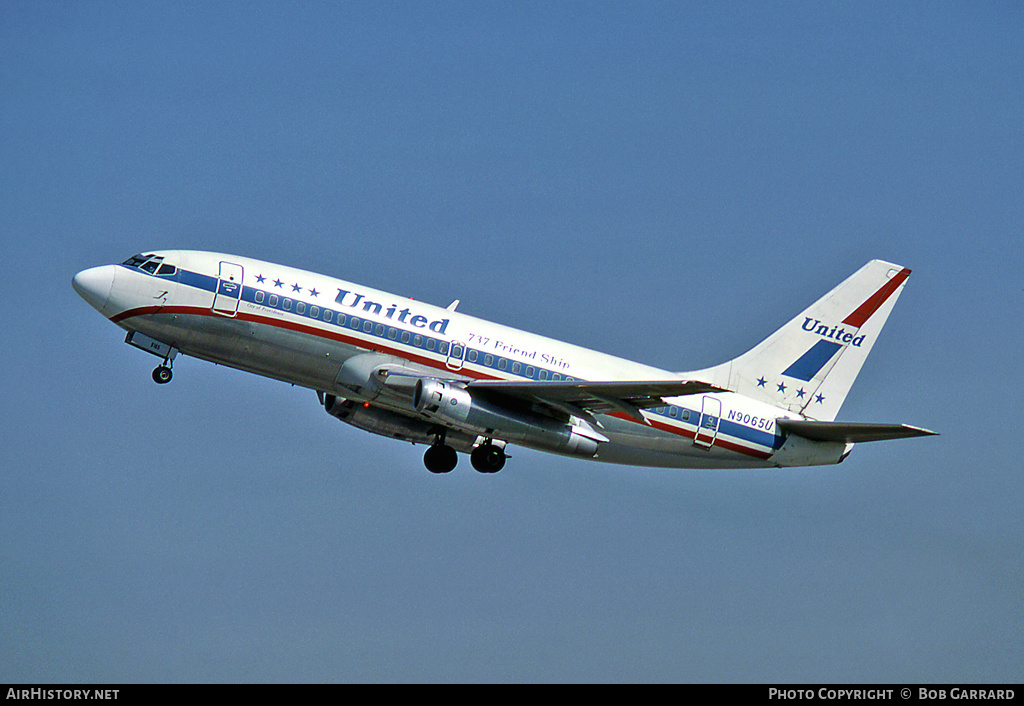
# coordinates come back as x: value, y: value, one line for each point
x: 707, y: 426
x: 229, y: 289
x: 456, y: 355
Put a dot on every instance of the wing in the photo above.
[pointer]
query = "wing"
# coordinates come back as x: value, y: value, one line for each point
x: 584, y: 399
x: 848, y: 432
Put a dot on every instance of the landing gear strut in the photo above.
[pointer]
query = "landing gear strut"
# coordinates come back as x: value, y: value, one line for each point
x: 488, y: 458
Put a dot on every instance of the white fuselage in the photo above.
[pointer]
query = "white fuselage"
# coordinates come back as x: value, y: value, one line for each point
x: 301, y: 327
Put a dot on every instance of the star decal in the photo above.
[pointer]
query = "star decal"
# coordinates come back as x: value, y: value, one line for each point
x: 761, y: 381
x: 278, y: 283
x: 782, y: 387
x: 313, y: 292
x: 800, y: 393
x: 260, y: 278
x: 296, y: 288
x: 819, y: 398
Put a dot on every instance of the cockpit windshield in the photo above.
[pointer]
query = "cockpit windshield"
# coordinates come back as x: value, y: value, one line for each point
x: 153, y: 264
x: 136, y: 260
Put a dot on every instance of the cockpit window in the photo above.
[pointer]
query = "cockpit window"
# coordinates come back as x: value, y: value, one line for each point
x: 136, y: 260
x: 153, y: 264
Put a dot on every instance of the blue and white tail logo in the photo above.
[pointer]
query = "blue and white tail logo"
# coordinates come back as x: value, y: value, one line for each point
x: 810, y: 364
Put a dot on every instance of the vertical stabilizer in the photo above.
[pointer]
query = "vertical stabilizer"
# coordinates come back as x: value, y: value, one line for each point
x: 809, y: 365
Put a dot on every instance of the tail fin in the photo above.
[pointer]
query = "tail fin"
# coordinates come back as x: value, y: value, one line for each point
x: 808, y: 366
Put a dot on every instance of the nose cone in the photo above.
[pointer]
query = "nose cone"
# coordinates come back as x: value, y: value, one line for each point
x: 94, y: 284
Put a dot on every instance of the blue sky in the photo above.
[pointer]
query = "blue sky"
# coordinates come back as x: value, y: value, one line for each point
x: 668, y: 182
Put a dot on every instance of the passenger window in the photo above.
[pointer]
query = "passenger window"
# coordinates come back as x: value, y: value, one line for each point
x: 392, y: 333
x: 543, y: 375
x: 314, y: 311
x: 417, y: 340
x: 673, y: 412
x: 273, y: 300
x: 300, y: 308
x: 405, y: 336
x: 472, y: 355
x: 516, y: 367
x: 286, y: 304
x: 260, y: 296
x: 442, y: 348
x: 529, y: 371
x: 327, y: 315
x: 379, y: 330
x: 353, y: 323
x: 431, y: 344
x: 367, y: 326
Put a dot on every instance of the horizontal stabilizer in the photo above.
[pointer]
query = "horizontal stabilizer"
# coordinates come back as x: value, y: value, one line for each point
x: 849, y: 432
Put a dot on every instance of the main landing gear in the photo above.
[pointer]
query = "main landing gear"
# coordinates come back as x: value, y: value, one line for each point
x: 488, y: 458
x: 441, y: 458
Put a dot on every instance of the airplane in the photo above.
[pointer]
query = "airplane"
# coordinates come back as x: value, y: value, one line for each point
x: 458, y: 384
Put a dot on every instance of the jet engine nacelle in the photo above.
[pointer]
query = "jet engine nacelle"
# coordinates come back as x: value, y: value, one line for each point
x: 394, y: 425
x: 453, y: 405
x: 368, y: 376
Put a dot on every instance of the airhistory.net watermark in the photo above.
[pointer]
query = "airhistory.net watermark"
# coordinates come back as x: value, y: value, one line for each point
x: 62, y: 694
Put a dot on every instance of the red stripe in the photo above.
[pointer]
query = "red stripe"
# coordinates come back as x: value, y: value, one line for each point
x: 869, y: 307
x: 141, y: 311
x: 371, y: 345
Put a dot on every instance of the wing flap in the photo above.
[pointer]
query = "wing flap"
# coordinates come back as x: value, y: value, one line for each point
x: 627, y: 396
x: 849, y: 432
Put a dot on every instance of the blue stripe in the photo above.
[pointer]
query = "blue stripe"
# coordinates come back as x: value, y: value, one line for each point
x: 725, y: 426
x: 745, y: 433
x: 194, y: 279
x: 808, y: 365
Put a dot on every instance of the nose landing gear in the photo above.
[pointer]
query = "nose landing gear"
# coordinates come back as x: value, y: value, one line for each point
x: 162, y: 374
